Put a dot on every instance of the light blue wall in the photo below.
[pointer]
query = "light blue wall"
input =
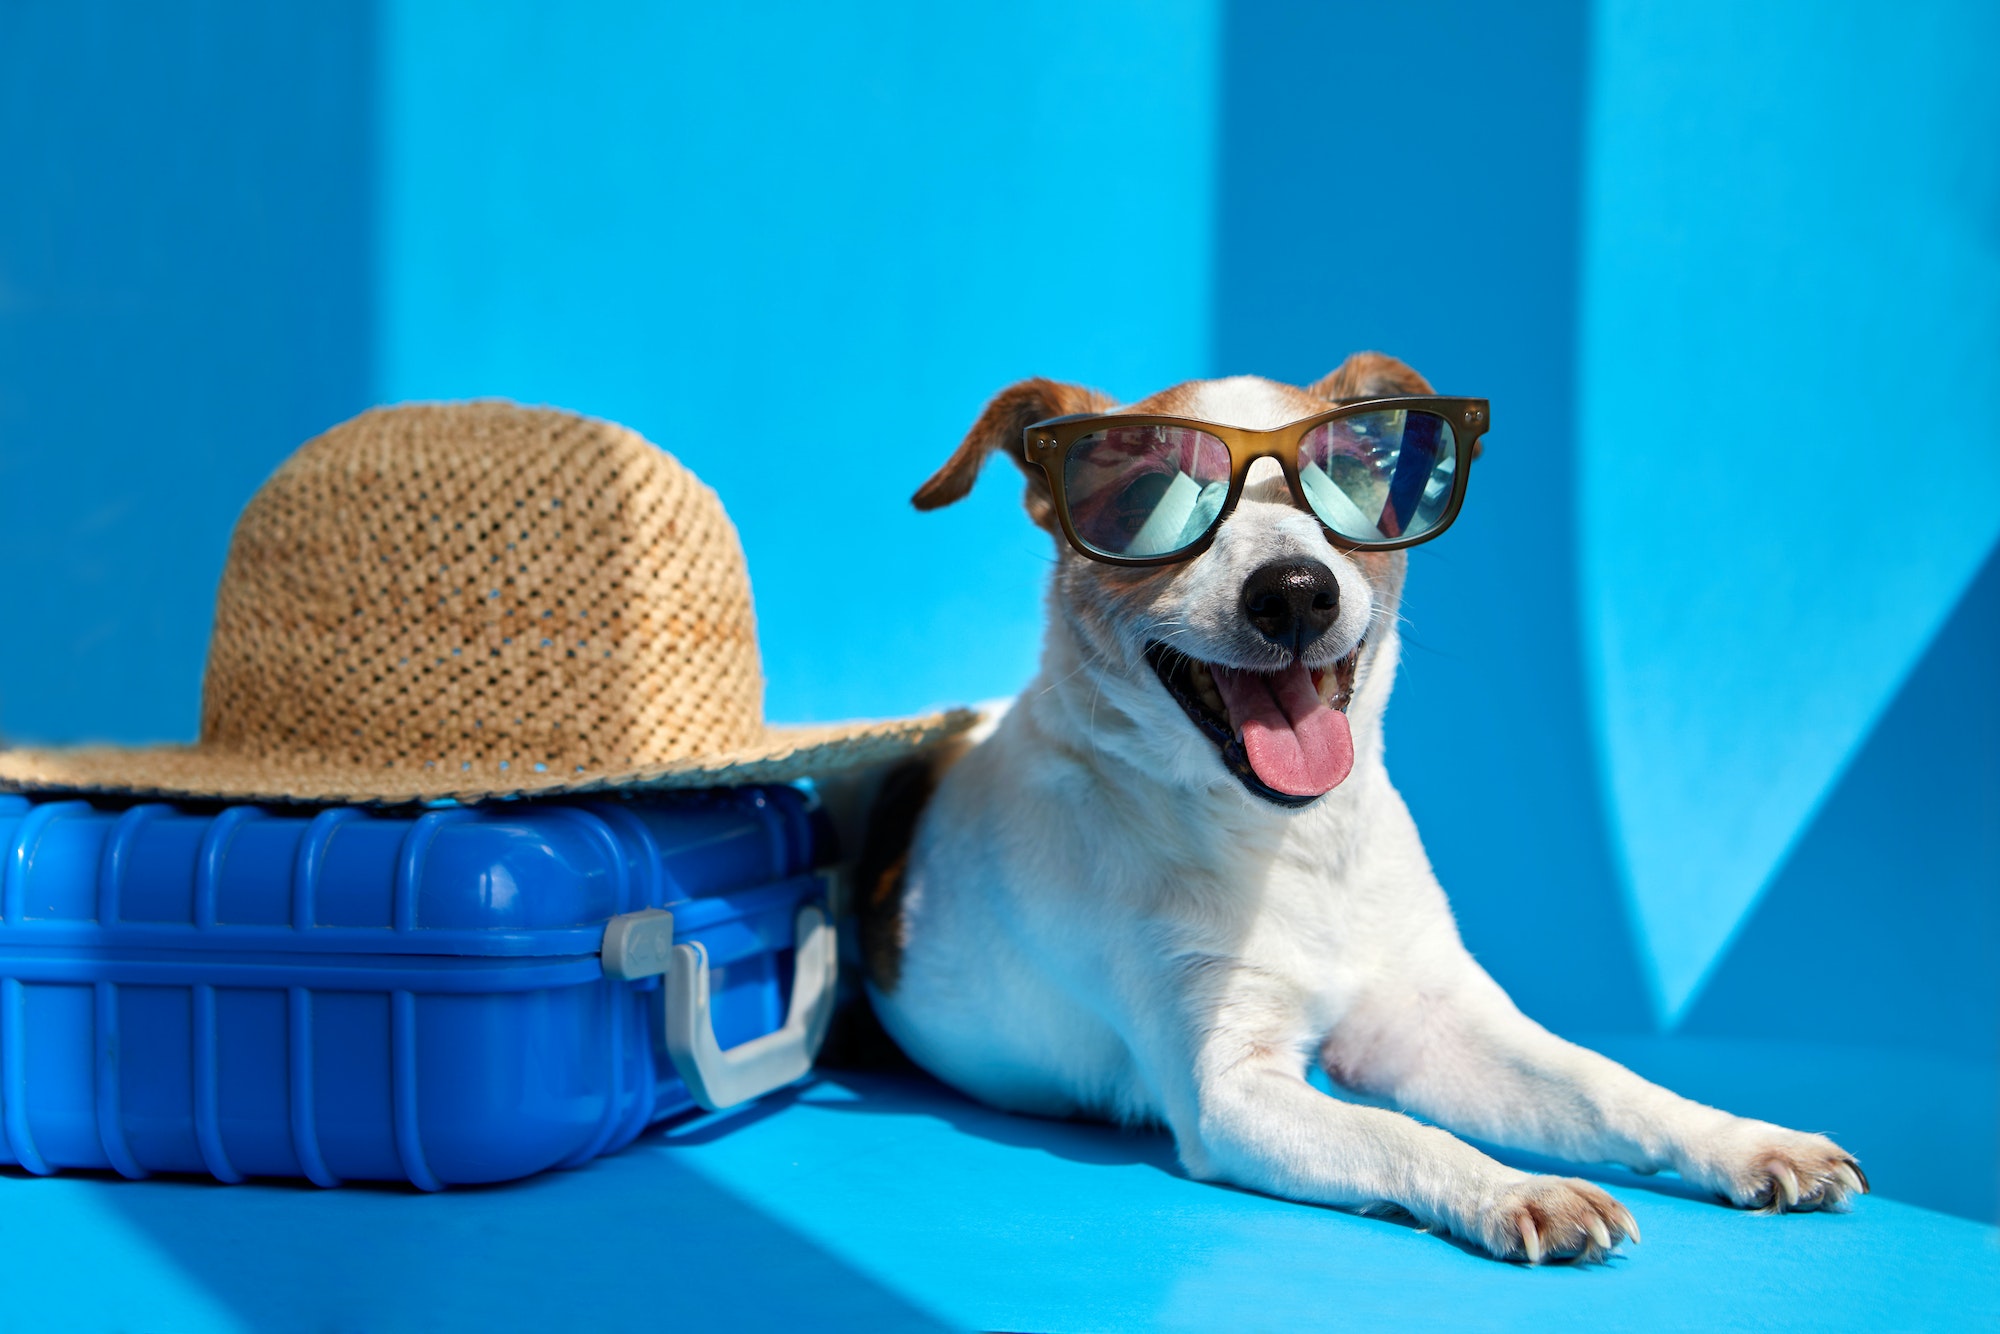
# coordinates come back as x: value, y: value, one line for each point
x: 186, y: 287
x: 798, y: 246
x: 1791, y: 336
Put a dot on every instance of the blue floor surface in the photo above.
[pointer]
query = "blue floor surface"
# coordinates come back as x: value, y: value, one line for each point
x: 883, y: 1202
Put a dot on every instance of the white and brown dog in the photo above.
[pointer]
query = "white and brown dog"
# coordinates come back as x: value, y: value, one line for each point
x: 1102, y: 913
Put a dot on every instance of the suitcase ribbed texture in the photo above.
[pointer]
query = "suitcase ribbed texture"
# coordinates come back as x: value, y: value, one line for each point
x: 357, y: 994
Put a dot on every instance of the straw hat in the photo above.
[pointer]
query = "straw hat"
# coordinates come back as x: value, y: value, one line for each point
x: 475, y: 600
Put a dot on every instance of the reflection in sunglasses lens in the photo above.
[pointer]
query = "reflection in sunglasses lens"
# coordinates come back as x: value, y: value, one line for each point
x: 1145, y: 490
x: 1380, y: 476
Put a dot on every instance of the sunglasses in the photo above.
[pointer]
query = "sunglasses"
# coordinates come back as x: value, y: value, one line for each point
x: 1378, y: 474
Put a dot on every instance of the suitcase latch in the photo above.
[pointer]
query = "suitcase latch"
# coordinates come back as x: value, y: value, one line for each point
x: 638, y: 944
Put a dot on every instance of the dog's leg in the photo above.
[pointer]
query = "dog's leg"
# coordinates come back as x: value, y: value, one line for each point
x: 1229, y: 1077
x: 1452, y: 1047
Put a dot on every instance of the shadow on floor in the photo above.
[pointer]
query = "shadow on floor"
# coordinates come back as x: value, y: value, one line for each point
x: 633, y: 1241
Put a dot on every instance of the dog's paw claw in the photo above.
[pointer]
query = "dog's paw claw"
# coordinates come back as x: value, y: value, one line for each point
x: 1531, y: 1239
x: 1554, y: 1218
x: 1784, y: 1186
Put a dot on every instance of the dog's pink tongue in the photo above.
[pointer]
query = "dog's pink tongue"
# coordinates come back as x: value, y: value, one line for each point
x: 1297, y: 745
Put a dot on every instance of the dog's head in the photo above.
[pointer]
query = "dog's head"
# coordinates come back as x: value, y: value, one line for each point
x: 1240, y: 662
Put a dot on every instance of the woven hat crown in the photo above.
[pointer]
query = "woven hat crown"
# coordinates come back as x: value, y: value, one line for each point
x: 485, y: 588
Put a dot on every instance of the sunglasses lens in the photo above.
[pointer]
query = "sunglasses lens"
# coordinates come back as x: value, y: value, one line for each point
x: 1380, y: 476
x: 1145, y: 490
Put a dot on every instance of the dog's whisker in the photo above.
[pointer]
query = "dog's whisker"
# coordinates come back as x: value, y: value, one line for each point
x: 1063, y: 680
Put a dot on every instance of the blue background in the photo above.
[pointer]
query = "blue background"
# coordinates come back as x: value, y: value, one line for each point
x: 1699, y: 711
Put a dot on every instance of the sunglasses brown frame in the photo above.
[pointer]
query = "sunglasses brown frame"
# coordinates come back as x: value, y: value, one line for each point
x: 1046, y: 444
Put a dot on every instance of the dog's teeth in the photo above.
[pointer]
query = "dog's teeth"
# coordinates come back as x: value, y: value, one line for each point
x: 1336, y: 681
x: 1203, y: 681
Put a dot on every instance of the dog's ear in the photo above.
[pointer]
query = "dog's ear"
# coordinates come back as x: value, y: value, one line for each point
x: 1375, y: 375
x: 1370, y: 375
x: 999, y: 427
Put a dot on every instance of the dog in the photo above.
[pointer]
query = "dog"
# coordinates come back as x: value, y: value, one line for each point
x: 1105, y: 911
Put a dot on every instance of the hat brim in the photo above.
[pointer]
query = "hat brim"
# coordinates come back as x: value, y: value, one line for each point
x: 197, y: 773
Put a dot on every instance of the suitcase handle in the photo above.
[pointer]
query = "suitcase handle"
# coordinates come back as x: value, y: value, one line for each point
x: 718, y: 1078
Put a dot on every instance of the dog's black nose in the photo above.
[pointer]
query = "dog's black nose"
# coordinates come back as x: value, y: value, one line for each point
x: 1292, y: 602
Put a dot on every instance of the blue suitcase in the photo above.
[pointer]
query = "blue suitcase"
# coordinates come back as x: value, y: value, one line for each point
x: 444, y: 996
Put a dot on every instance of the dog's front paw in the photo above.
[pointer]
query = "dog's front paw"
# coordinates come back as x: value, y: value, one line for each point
x: 1539, y: 1218
x: 1756, y: 1165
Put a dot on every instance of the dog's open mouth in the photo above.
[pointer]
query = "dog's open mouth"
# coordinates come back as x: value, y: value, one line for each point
x: 1284, y: 734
